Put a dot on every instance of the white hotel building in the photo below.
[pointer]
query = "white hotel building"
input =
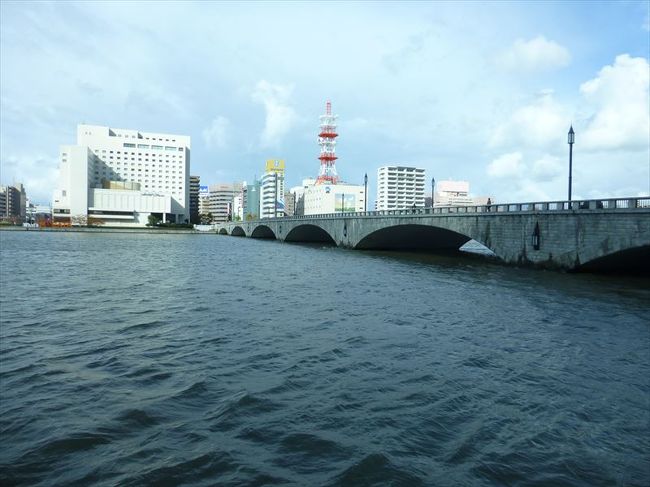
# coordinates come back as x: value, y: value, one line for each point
x: 119, y: 177
x: 399, y: 187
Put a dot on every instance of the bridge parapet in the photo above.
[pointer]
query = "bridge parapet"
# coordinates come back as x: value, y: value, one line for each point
x: 564, y: 234
x: 609, y: 204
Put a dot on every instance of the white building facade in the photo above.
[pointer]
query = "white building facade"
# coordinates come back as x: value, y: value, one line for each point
x: 120, y: 177
x: 333, y: 198
x: 452, y: 193
x: 272, y: 194
x: 399, y: 187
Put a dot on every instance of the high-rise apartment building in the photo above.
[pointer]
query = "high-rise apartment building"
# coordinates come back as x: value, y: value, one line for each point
x: 195, y: 185
x: 272, y: 190
x: 399, y: 187
x: 121, y: 177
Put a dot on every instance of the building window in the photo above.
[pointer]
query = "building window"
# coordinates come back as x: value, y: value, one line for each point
x: 157, y: 147
x: 169, y: 148
x: 143, y: 146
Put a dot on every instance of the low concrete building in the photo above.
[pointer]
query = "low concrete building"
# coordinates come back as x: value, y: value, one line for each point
x: 333, y: 198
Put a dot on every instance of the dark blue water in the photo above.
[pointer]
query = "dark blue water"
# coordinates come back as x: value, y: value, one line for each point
x: 213, y: 360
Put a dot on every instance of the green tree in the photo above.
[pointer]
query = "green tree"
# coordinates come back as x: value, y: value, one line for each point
x: 153, y: 220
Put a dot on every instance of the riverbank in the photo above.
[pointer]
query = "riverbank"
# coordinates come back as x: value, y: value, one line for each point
x: 161, y: 231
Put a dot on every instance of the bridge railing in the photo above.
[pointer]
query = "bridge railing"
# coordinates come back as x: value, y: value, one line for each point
x: 608, y: 204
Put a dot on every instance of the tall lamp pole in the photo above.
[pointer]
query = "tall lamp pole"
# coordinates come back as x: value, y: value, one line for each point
x: 365, y: 192
x: 571, y: 140
x: 433, y: 192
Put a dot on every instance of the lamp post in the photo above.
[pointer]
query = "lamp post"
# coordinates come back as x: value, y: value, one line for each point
x: 433, y: 192
x: 342, y: 202
x: 571, y: 140
x: 365, y: 193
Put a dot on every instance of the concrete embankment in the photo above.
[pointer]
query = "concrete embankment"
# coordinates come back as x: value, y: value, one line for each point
x: 149, y: 231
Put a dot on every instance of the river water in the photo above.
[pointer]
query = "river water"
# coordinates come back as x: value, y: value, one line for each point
x: 215, y: 360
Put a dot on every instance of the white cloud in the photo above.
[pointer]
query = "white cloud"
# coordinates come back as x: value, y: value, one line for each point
x: 506, y: 166
x: 538, y: 54
x: 547, y: 168
x: 216, y: 135
x: 280, y: 117
x: 35, y: 172
x: 621, y: 103
x: 541, y: 123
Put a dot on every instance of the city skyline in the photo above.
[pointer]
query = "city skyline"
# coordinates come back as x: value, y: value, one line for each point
x: 483, y: 93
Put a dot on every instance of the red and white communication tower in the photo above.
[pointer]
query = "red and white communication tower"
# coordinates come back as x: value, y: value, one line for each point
x: 327, y: 141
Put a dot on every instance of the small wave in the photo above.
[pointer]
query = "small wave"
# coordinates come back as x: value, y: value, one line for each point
x: 240, y: 406
x: 376, y: 469
x: 194, y: 391
x: 211, y: 466
x: 71, y: 444
x: 137, y: 417
x: 141, y: 326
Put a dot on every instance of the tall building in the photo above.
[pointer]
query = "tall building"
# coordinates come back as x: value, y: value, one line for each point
x: 329, y: 194
x: 289, y: 203
x: 220, y: 201
x: 272, y: 190
x: 298, y: 193
x: 399, y: 187
x: 13, y: 203
x: 195, y: 186
x: 252, y: 201
x: 121, y: 177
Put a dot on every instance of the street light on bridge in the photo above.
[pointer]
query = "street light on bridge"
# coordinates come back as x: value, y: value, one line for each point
x: 571, y: 140
x: 433, y: 192
x: 365, y: 192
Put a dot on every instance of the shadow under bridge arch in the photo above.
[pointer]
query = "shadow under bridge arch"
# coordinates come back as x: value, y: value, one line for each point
x: 413, y: 237
x: 309, y: 233
x: 238, y: 232
x: 262, y: 231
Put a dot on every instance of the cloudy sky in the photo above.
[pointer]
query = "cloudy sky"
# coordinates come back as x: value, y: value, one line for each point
x: 478, y: 91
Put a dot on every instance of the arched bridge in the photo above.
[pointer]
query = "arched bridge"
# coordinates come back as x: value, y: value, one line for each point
x: 569, y: 235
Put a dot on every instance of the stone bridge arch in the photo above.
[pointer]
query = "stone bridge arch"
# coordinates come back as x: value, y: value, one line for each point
x: 223, y: 231
x: 309, y: 233
x: 238, y: 232
x: 263, y: 231
x: 410, y: 236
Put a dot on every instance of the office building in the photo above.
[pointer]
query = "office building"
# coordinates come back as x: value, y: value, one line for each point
x: 195, y: 186
x: 252, y: 201
x: 13, y: 203
x: 298, y: 193
x: 335, y: 198
x: 452, y: 193
x: 399, y: 187
x: 120, y: 177
x: 289, y: 204
x: 219, y: 201
x: 272, y: 190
